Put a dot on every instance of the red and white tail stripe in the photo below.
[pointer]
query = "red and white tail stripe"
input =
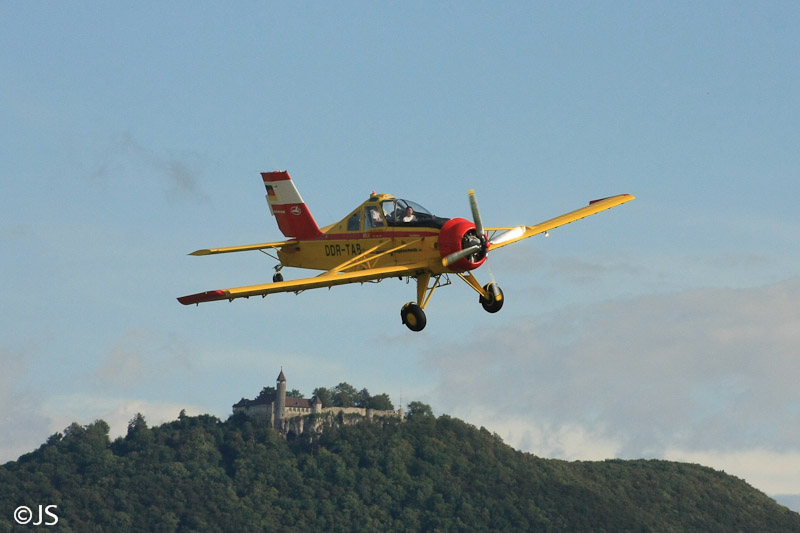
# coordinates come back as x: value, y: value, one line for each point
x: 287, y: 206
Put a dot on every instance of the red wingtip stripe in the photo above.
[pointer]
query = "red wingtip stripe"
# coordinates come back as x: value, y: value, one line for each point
x: 599, y: 200
x: 208, y: 296
x: 606, y: 198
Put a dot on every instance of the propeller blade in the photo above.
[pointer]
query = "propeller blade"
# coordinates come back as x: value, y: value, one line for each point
x: 476, y: 215
x: 508, y: 235
x: 461, y: 254
x: 484, y: 246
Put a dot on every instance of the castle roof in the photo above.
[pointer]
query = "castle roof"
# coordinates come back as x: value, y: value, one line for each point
x: 281, y: 377
x: 264, y: 400
x: 270, y: 398
x: 298, y: 402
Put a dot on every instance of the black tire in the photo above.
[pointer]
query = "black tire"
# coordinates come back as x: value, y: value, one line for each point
x: 277, y: 278
x: 413, y: 317
x: 492, y: 304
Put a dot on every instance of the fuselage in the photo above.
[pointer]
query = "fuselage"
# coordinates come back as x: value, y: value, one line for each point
x: 383, y: 231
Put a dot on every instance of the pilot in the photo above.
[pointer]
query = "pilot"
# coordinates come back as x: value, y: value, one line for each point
x: 409, y: 216
x: 375, y: 220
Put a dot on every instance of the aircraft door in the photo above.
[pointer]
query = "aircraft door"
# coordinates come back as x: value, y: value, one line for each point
x: 373, y: 218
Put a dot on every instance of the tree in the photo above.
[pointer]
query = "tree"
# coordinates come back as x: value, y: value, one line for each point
x: 201, y: 474
x: 136, y: 424
x: 294, y: 393
x: 363, y: 398
x: 325, y: 396
x: 381, y: 402
x: 345, y: 395
x: 266, y: 392
x: 419, y: 409
x: 139, y: 436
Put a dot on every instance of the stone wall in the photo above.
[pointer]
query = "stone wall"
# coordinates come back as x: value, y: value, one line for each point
x: 263, y: 412
x: 368, y: 413
x: 347, y: 416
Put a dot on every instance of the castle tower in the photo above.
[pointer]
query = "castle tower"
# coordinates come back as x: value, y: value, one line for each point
x: 316, y: 407
x: 280, y: 401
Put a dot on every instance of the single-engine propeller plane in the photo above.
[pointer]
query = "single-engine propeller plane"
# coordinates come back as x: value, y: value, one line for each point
x: 384, y: 237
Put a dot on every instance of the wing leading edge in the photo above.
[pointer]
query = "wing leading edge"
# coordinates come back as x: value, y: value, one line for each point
x: 523, y: 232
x: 328, y: 279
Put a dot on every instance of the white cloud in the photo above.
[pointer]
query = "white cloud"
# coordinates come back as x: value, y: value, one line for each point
x: 32, y: 409
x: 545, y: 439
x: 141, y: 355
x: 705, y: 370
x: 63, y: 410
x: 33, y: 420
x: 770, y: 471
x: 21, y: 425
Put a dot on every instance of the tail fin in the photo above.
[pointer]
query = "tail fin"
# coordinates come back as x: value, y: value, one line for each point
x: 286, y: 205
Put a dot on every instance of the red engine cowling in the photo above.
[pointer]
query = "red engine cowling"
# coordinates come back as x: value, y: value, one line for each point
x: 456, y: 235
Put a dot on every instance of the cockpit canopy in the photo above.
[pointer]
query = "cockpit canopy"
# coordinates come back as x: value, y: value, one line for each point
x: 399, y: 212
x: 385, y: 210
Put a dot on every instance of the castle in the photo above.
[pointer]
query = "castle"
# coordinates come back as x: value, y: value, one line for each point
x: 290, y: 415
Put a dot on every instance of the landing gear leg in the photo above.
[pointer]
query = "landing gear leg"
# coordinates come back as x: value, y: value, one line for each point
x: 491, y: 297
x: 412, y: 313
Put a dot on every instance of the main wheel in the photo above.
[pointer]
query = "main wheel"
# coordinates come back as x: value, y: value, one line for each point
x: 277, y: 278
x: 495, y: 301
x: 413, y: 317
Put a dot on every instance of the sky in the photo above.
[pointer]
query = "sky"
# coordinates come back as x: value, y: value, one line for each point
x: 668, y: 327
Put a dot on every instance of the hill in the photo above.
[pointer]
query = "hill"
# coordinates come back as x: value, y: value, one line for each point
x: 425, y: 474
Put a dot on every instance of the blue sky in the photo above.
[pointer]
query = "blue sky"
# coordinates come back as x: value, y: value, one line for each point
x: 668, y: 327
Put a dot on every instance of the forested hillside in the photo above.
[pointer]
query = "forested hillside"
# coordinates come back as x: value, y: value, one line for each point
x: 425, y: 474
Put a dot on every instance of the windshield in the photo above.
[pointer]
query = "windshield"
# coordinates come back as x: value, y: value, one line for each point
x: 399, y: 212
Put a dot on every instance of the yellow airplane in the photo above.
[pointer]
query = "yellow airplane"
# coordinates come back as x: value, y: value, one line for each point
x: 384, y: 237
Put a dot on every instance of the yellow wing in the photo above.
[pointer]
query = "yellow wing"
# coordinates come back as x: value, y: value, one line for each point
x: 328, y: 279
x: 500, y: 237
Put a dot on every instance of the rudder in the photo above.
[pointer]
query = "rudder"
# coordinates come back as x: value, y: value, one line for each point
x: 287, y: 206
